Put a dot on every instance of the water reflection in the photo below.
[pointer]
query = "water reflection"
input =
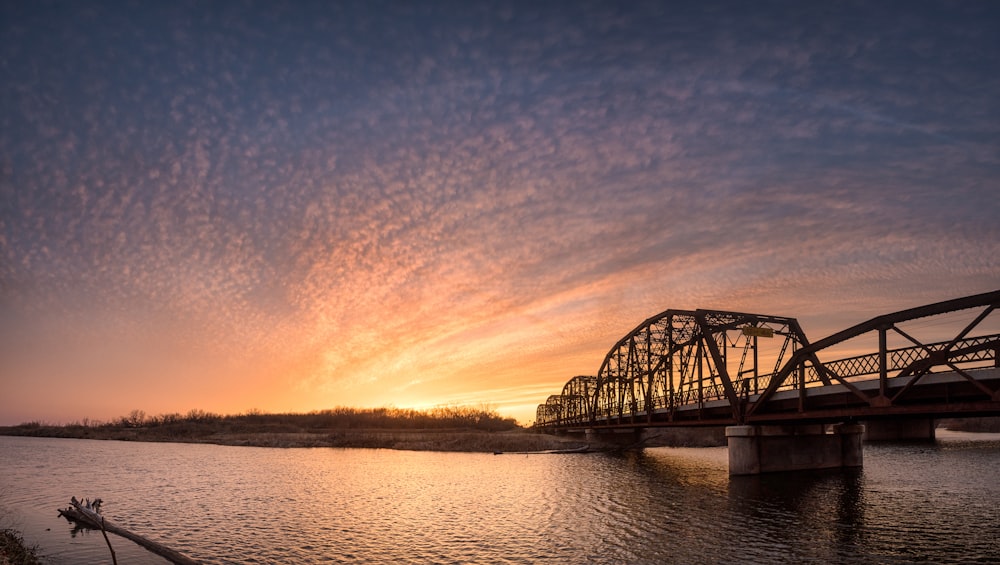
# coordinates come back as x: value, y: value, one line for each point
x: 665, y: 505
x: 75, y: 529
x: 697, y: 467
x: 829, y: 492
x: 822, y: 509
x: 694, y: 512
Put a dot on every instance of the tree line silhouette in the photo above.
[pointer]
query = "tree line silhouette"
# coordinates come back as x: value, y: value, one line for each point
x: 199, y: 422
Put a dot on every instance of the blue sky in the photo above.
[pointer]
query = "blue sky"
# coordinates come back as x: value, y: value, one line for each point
x: 294, y: 206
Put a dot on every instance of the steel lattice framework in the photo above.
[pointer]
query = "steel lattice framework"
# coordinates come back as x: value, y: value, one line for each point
x: 706, y: 367
x: 682, y: 357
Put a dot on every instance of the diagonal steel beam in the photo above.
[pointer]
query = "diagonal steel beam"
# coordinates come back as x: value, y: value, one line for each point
x: 708, y: 336
x: 991, y: 299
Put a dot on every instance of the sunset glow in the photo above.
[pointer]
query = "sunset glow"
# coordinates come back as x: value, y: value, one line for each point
x: 226, y: 207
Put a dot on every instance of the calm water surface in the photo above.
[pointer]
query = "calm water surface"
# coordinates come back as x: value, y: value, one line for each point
x: 936, y: 503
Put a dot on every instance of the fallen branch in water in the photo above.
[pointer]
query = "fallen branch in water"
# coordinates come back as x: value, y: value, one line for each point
x: 85, y: 514
x: 583, y: 449
x: 104, y: 532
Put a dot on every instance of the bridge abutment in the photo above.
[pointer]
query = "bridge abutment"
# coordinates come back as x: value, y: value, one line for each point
x: 900, y: 429
x: 767, y: 449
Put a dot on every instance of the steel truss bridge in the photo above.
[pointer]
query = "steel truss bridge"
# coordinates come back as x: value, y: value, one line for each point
x: 716, y: 368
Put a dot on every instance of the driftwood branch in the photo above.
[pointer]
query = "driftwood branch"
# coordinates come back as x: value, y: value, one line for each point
x: 104, y: 532
x: 81, y: 514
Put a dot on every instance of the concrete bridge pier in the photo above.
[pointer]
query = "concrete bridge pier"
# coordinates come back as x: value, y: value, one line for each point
x: 766, y: 449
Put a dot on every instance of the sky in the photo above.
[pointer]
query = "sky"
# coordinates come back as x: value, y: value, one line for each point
x: 293, y: 206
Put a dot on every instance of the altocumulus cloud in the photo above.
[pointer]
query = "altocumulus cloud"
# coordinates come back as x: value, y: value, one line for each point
x: 309, y: 205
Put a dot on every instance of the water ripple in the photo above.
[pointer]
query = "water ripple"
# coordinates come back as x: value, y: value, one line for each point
x: 256, y: 505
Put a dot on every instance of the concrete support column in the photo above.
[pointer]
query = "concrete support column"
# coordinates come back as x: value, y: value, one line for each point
x: 900, y: 429
x: 851, y: 453
x: 744, y: 450
x: 767, y: 449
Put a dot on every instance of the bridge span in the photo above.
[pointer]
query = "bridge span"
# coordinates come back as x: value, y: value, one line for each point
x: 789, y: 403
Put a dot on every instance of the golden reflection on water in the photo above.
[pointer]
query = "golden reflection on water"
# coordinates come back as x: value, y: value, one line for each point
x: 665, y: 505
x: 702, y: 467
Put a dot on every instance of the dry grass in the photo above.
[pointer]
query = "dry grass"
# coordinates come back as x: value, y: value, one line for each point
x: 13, y: 551
x: 417, y: 440
x: 990, y: 424
x: 436, y: 440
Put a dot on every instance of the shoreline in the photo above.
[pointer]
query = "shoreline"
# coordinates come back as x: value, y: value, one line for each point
x: 438, y: 439
x: 13, y: 548
x: 471, y: 441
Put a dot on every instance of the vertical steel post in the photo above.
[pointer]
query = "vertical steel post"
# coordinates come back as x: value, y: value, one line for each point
x: 725, y: 353
x: 649, y: 375
x: 801, y: 377
x: 670, y: 366
x: 701, y: 401
x: 883, y: 366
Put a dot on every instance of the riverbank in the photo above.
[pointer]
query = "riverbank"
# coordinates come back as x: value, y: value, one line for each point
x: 988, y: 424
x: 454, y: 439
x: 13, y: 550
x: 415, y: 440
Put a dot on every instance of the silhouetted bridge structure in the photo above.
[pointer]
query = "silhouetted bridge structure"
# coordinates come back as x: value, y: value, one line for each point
x: 783, y: 405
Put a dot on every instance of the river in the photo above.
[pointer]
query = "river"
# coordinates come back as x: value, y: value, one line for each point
x: 936, y: 503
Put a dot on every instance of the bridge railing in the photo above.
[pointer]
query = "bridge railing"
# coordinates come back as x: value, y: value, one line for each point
x: 969, y: 353
x: 966, y: 351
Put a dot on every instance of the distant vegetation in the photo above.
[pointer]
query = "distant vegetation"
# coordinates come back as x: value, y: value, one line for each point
x: 449, y: 428
x: 198, y: 423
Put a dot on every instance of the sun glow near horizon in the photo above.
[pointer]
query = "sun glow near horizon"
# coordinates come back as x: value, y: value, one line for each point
x: 236, y: 210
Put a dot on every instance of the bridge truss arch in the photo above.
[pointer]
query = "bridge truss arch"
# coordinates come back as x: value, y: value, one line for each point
x: 712, y: 367
x: 680, y: 357
x: 570, y: 407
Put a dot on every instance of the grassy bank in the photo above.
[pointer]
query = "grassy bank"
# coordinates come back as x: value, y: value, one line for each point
x: 989, y: 424
x: 439, y: 429
x: 417, y: 440
x: 13, y: 550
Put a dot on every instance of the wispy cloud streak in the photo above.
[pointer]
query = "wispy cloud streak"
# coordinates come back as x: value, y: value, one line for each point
x: 343, y: 205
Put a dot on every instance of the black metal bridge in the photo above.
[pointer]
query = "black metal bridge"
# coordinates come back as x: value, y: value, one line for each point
x: 715, y: 368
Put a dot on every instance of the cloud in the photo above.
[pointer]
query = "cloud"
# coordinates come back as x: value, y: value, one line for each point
x: 281, y: 205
